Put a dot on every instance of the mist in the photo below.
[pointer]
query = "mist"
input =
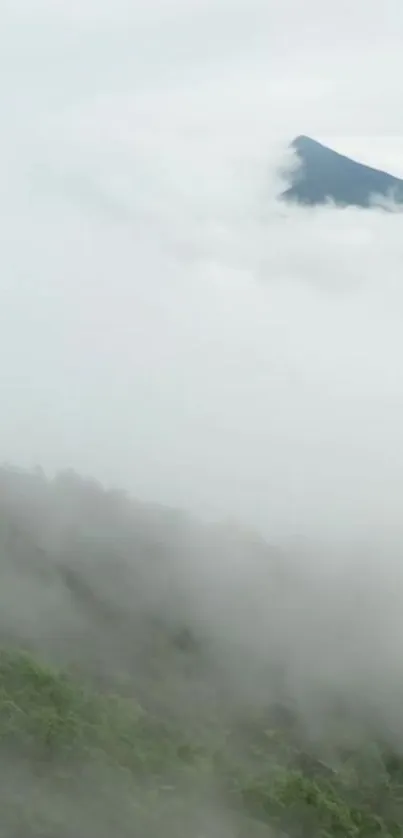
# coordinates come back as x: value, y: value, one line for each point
x: 166, y: 327
x: 173, y: 331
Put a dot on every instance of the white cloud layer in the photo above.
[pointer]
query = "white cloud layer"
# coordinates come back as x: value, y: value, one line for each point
x: 164, y: 324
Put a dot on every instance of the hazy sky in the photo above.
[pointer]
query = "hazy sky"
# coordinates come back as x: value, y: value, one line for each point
x: 163, y: 325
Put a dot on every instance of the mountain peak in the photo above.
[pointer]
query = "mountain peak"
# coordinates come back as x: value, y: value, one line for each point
x: 302, y: 141
x: 325, y: 175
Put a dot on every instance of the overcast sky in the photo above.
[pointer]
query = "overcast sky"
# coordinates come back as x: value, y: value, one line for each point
x: 163, y: 325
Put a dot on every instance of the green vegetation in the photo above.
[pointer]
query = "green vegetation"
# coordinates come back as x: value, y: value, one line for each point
x: 78, y: 762
x: 125, y: 712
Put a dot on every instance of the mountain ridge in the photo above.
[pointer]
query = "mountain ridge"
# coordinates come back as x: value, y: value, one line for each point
x: 324, y: 175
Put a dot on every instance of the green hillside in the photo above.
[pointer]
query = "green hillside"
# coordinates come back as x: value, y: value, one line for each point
x: 81, y: 762
x: 123, y: 724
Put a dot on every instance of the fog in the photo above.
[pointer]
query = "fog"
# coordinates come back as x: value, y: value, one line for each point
x: 170, y: 329
x: 165, y: 326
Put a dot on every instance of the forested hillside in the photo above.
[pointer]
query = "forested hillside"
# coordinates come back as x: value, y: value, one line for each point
x: 163, y: 677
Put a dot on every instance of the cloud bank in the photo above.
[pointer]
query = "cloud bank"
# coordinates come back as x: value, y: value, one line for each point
x: 165, y: 324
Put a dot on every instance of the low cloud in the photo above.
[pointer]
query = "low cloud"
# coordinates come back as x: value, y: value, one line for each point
x: 167, y: 325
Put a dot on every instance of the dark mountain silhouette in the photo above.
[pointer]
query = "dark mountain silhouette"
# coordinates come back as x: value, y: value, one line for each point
x: 325, y: 175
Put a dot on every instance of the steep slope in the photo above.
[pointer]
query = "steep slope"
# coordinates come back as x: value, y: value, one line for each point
x: 325, y: 175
